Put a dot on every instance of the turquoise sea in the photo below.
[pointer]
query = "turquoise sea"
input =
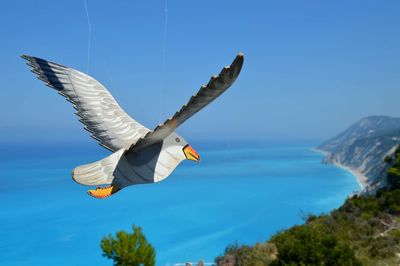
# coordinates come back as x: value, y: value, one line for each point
x: 239, y: 192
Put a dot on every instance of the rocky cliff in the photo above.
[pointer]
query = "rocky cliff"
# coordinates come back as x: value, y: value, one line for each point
x: 363, y: 146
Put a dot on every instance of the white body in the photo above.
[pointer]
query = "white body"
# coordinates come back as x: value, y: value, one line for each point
x: 150, y: 164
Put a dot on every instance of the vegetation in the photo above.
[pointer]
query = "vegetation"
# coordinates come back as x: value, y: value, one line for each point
x: 311, y: 246
x: 128, y: 249
x: 260, y: 254
x: 364, y: 231
x: 394, y: 171
x: 388, y: 159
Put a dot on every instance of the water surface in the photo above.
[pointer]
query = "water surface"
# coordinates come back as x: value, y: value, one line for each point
x: 243, y: 192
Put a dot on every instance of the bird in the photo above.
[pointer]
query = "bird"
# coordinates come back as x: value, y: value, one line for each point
x: 139, y: 155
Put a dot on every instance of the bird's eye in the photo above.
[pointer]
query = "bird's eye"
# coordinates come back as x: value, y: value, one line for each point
x: 177, y: 140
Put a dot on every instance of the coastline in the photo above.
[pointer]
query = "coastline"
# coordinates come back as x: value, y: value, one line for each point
x: 361, y: 179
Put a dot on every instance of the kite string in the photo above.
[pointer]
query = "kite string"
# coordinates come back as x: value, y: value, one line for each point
x: 89, y: 36
x: 164, y: 59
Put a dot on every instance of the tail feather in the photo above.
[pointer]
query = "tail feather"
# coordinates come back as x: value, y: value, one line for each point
x: 97, y: 173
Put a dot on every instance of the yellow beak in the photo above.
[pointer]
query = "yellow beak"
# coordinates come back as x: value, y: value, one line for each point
x: 191, y: 154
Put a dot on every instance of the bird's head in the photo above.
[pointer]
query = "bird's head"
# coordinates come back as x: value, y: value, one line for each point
x: 181, y: 149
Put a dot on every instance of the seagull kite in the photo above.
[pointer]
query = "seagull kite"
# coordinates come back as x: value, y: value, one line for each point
x: 139, y: 155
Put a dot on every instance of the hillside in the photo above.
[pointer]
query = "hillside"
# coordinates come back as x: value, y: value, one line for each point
x: 363, y: 146
x: 364, y: 231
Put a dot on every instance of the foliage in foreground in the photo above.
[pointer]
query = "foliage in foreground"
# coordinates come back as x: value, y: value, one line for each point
x: 311, y: 247
x: 260, y: 254
x: 128, y: 249
x: 364, y: 231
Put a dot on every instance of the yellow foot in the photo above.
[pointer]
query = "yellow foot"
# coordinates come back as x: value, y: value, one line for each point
x: 103, y: 192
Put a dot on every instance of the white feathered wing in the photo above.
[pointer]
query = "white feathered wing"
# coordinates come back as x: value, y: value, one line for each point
x: 97, y: 109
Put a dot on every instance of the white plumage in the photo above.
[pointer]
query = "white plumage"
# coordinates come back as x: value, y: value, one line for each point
x: 139, y: 154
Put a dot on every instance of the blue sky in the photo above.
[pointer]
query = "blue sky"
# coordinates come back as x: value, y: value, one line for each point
x: 311, y: 67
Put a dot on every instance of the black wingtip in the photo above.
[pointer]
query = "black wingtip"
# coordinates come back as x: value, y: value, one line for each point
x: 237, y: 64
x: 26, y: 57
x: 38, y: 60
x: 239, y: 59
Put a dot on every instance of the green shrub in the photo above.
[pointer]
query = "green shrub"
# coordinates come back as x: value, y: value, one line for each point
x: 388, y: 159
x: 128, y: 249
x: 304, y: 245
x: 242, y: 255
